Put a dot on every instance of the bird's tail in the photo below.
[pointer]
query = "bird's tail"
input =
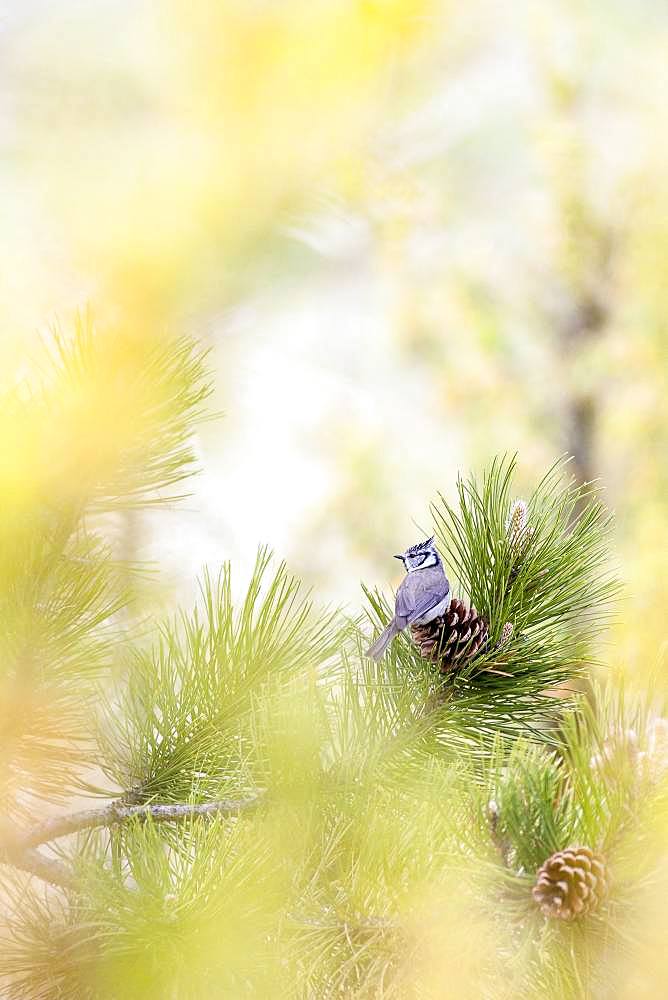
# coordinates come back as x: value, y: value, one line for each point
x: 383, y: 641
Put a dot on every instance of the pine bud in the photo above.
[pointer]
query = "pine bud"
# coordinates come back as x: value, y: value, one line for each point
x: 506, y: 634
x: 516, y: 521
x: 621, y: 749
x: 519, y: 534
x: 654, y: 760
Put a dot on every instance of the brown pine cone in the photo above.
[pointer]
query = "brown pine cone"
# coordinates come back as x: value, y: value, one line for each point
x: 452, y: 639
x: 571, y: 883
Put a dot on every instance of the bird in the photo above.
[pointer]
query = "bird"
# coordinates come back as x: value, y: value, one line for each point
x: 423, y: 594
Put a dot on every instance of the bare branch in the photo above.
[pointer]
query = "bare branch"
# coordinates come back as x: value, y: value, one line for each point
x: 30, y: 860
x: 20, y: 851
x: 116, y: 813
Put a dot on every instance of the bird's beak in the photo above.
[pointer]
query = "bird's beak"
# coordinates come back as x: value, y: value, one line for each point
x: 399, y: 557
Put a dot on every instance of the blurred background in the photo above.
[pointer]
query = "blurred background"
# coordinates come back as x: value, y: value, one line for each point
x: 413, y: 233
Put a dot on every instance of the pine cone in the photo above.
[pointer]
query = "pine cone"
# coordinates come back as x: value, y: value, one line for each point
x: 452, y: 639
x: 571, y: 883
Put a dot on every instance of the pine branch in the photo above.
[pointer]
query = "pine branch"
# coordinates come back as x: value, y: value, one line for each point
x: 115, y: 814
x: 28, y: 859
x: 185, y: 698
x: 20, y: 851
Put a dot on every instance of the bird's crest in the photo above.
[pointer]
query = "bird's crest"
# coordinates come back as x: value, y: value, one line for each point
x: 420, y: 547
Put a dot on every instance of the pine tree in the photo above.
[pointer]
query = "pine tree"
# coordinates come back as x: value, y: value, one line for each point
x: 269, y: 813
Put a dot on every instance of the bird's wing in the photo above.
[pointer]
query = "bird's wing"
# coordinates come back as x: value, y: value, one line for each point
x: 427, y: 604
x: 418, y: 593
x: 405, y: 600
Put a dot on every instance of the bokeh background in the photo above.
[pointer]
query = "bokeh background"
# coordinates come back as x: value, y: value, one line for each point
x: 413, y: 233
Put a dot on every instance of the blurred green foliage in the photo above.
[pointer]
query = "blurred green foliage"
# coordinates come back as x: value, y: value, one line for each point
x: 415, y: 235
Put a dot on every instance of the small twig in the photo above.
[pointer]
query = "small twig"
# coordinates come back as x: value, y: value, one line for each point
x: 115, y: 814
